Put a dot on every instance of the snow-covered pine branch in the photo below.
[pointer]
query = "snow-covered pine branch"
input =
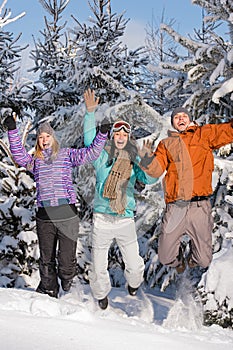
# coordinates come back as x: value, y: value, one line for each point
x: 5, y: 18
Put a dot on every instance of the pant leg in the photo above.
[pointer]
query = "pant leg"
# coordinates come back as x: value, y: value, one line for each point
x: 67, y: 247
x: 172, y: 230
x: 126, y: 238
x: 101, y: 240
x: 199, y: 229
x: 47, y: 238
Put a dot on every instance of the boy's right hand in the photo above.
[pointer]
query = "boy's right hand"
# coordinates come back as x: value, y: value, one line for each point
x: 146, y: 150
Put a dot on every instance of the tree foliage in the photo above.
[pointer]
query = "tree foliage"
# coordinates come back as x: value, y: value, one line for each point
x: 194, y: 72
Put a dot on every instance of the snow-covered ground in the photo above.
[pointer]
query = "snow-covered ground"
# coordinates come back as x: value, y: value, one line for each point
x: 74, y: 321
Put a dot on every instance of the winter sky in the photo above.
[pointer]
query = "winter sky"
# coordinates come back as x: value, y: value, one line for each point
x: 140, y: 13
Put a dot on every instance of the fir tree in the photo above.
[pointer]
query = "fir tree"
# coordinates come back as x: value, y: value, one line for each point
x: 99, y: 45
x: 51, y: 57
x: 161, y: 48
x: 204, y: 77
x: 11, y: 90
x: 17, y: 237
x: 18, y: 240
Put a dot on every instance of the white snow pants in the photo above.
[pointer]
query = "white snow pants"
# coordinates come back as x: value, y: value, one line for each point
x: 106, y: 228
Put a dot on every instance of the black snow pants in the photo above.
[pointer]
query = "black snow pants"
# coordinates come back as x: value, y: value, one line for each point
x: 57, y: 246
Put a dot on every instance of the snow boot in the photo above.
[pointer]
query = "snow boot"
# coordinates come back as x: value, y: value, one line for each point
x: 191, y: 262
x: 103, y: 303
x: 132, y: 291
x: 66, y: 285
x: 181, y: 267
x: 51, y: 293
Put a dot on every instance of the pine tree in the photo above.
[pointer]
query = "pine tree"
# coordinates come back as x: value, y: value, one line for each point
x: 18, y: 249
x: 219, y: 79
x: 204, y: 78
x: 11, y: 91
x: 99, y: 45
x: 18, y: 240
x: 161, y: 48
x: 51, y: 56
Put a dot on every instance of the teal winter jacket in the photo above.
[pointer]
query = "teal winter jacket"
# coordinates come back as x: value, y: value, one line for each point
x: 101, y: 204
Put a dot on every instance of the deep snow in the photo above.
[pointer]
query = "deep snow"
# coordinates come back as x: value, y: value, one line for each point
x: 74, y: 321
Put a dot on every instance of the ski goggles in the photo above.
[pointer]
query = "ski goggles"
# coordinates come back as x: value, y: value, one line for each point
x: 117, y: 126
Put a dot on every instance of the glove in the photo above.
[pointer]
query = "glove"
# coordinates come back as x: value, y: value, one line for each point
x: 9, y: 122
x: 104, y: 126
x: 146, y: 153
x: 146, y: 161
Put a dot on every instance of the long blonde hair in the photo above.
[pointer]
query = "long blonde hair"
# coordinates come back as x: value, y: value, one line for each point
x: 55, y: 149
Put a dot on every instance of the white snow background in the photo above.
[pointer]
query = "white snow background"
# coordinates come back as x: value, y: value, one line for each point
x: 151, y: 320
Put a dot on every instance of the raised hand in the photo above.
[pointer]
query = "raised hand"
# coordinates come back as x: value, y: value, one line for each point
x: 90, y: 100
x: 146, y: 150
x: 104, y: 126
x: 8, y: 118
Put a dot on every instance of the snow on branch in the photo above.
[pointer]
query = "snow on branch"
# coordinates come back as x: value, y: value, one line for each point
x: 26, y: 131
x: 6, y: 16
x: 182, y: 40
x: 117, y: 86
x: 226, y: 88
x: 6, y: 150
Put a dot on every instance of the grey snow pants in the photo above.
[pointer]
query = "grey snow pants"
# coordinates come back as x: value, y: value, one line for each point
x: 193, y: 219
x: 106, y: 228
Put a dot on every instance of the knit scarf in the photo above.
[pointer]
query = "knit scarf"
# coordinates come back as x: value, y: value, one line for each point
x: 116, y: 183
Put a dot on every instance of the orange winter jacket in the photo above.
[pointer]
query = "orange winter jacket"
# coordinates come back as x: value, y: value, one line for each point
x: 188, y: 160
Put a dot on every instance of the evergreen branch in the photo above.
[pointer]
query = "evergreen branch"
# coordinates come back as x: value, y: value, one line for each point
x: 5, y: 148
x: 25, y: 132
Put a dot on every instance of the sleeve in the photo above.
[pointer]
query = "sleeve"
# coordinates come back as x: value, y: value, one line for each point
x: 89, y: 128
x: 219, y: 134
x: 18, y: 151
x: 88, y: 154
x: 143, y: 177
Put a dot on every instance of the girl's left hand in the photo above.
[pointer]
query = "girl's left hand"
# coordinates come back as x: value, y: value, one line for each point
x: 90, y: 100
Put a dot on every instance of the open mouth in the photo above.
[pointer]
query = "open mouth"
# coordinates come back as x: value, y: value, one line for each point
x: 120, y: 144
x: 181, y: 124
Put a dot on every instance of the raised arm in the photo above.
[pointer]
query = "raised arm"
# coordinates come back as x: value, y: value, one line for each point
x: 88, y: 154
x: 89, y: 120
x: 19, y: 153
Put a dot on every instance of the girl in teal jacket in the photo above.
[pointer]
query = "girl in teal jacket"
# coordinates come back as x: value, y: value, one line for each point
x: 117, y: 170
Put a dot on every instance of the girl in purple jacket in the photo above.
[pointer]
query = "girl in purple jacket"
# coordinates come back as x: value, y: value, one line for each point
x: 56, y: 216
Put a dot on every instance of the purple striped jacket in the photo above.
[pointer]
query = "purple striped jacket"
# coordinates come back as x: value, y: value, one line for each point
x: 54, y: 184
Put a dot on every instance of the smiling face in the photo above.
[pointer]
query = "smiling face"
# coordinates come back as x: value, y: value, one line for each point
x: 45, y: 140
x: 120, y: 138
x: 181, y: 121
